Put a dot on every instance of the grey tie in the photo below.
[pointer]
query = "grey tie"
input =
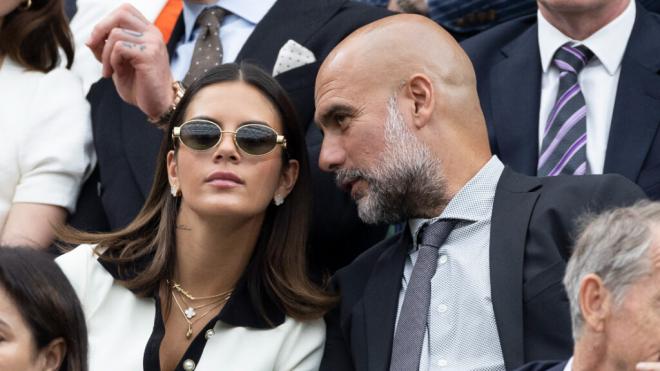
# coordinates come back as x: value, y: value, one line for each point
x: 208, y: 50
x: 409, y: 335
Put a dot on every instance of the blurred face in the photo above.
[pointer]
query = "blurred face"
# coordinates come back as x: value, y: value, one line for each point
x: 387, y: 170
x: 225, y: 180
x: 633, y: 331
x: 8, y: 6
x: 17, y: 348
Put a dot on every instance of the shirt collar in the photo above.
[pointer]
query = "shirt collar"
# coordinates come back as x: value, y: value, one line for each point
x: 569, y: 365
x: 473, y: 202
x: 608, y: 44
x: 240, y: 310
x: 251, y: 11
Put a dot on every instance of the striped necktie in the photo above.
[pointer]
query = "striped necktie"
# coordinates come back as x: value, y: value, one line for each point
x: 564, y: 146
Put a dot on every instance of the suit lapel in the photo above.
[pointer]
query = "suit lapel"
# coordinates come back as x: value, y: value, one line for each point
x: 287, y: 19
x: 636, y: 115
x: 141, y: 140
x: 515, y: 198
x: 381, y: 298
x: 515, y: 101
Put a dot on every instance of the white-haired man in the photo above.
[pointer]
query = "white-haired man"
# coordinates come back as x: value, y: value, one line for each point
x: 613, y: 285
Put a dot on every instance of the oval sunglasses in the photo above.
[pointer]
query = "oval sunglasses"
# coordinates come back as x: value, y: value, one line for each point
x: 253, y: 139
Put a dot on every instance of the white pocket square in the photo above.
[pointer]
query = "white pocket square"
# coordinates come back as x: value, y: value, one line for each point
x: 292, y: 55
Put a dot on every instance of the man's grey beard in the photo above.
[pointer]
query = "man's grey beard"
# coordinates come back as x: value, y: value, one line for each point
x: 406, y: 183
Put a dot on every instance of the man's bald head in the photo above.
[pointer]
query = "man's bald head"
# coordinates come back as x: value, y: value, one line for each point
x: 390, y: 50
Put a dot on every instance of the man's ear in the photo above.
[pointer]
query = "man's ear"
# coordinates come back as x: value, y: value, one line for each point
x: 595, y: 302
x: 288, y: 178
x: 420, y: 90
x: 51, y: 356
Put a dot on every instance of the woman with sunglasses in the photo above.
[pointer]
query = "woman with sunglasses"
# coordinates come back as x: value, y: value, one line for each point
x: 44, y: 121
x: 211, y: 274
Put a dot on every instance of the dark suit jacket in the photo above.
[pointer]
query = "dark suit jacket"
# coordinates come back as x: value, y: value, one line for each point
x: 530, y: 241
x: 127, y: 145
x: 508, y: 67
x: 543, y: 366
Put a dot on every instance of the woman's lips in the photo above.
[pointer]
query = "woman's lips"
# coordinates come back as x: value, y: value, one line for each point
x: 224, y: 179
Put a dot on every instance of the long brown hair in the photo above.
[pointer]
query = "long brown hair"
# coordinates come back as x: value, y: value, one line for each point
x: 46, y: 301
x: 277, y: 269
x: 33, y: 36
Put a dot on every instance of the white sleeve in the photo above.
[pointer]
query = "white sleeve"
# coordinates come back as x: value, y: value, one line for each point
x: 56, y: 150
x: 303, y: 348
x: 77, y: 265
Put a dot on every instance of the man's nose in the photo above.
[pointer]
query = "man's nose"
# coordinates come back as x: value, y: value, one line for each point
x: 332, y: 154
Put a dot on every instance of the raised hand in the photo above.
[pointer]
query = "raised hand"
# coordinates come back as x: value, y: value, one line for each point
x: 133, y: 52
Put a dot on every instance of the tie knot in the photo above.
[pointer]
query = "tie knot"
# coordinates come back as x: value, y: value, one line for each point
x: 210, y: 18
x: 572, y: 58
x: 435, y: 234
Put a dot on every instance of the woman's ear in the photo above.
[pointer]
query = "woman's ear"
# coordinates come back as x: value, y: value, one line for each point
x: 172, y: 174
x: 51, y: 356
x: 419, y: 90
x: 288, y: 179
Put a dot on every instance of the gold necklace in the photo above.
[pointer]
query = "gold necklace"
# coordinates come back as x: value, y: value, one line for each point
x: 190, y: 322
x: 185, y: 293
x: 191, y: 311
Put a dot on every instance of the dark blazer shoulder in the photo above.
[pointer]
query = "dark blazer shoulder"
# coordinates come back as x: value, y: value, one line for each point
x: 599, y: 192
x: 485, y: 46
x: 359, y: 271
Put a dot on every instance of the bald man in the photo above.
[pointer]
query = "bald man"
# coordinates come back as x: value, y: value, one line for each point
x: 474, y: 280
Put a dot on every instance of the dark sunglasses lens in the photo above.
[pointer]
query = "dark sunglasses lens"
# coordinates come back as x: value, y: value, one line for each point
x: 200, y: 135
x: 256, y: 139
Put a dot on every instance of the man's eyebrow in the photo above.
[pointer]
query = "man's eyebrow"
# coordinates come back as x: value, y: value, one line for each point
x: 332, y: 111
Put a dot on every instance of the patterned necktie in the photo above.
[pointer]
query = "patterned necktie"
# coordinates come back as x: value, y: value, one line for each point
x: 564, y: 147
x: 409, y: 335
x: 208, y: 50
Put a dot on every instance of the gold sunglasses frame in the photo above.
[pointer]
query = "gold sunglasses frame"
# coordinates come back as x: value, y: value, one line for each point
x: 176, y: 134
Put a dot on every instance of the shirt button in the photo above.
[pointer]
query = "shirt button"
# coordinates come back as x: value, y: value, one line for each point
x: 442, y: 308
x: 188, y: 365
x: 209, y: 333
x: 442, y: 362
x: 443, y: 259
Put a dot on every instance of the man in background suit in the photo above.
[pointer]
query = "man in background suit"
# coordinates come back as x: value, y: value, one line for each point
x: 519, y: 83
x: 613, y: 285
x: 405, y: 135
x: 256, y: 32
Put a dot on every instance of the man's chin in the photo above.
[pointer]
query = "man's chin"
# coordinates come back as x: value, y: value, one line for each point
x: 368, y: 214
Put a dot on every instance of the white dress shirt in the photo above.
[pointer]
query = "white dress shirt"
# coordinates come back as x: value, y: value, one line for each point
x: 237, y: 26
x: 569, y: 365
x: 598, y: 80
x: 461, y: 333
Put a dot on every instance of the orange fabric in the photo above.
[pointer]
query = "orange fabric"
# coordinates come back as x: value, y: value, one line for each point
x: 168, y: 17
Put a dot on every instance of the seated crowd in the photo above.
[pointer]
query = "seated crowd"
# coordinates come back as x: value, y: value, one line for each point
x: 330, y: 185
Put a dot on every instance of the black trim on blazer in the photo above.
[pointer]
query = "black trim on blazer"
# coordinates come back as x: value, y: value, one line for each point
x: 239, y: 311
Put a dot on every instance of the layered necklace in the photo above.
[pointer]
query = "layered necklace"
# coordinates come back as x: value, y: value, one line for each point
x: 193, y: 304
